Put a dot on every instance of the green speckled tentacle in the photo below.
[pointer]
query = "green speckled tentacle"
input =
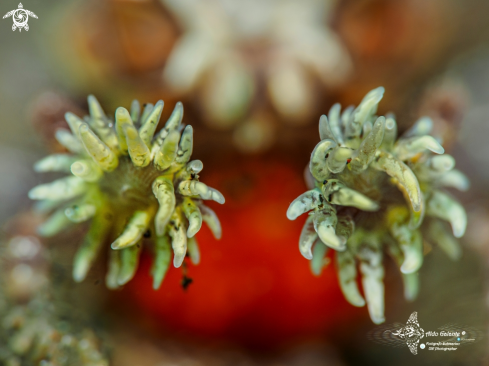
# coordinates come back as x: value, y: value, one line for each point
x: 131, y: 184
x: 373, y: 193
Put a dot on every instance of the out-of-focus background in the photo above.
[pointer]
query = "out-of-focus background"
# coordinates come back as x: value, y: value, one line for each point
x: 254, y: 77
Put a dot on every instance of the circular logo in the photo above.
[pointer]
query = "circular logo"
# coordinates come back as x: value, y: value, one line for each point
x: 20, y: 17
x: 422, y: 346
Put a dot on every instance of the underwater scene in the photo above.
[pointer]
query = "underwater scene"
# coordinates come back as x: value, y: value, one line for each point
x: 244, y: 182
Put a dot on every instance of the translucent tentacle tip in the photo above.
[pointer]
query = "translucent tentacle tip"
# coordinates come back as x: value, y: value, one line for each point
x: 354, y: 168
x: 126, y: 180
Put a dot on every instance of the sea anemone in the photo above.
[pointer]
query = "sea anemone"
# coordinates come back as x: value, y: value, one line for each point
x: 370, y: 193
x: 238, y: 59
x: 132, y: 184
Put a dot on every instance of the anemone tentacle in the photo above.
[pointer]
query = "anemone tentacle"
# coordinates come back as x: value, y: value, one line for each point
x: 355, y: 209
x: 131, y: 184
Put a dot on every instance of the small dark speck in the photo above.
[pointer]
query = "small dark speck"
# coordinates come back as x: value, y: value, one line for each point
x: 138, y: 245
x: 186, y: 281
x: 97, y: 282
x: 147, y: 234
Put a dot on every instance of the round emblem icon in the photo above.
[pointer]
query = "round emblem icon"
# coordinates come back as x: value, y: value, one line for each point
x: 20, y: 17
